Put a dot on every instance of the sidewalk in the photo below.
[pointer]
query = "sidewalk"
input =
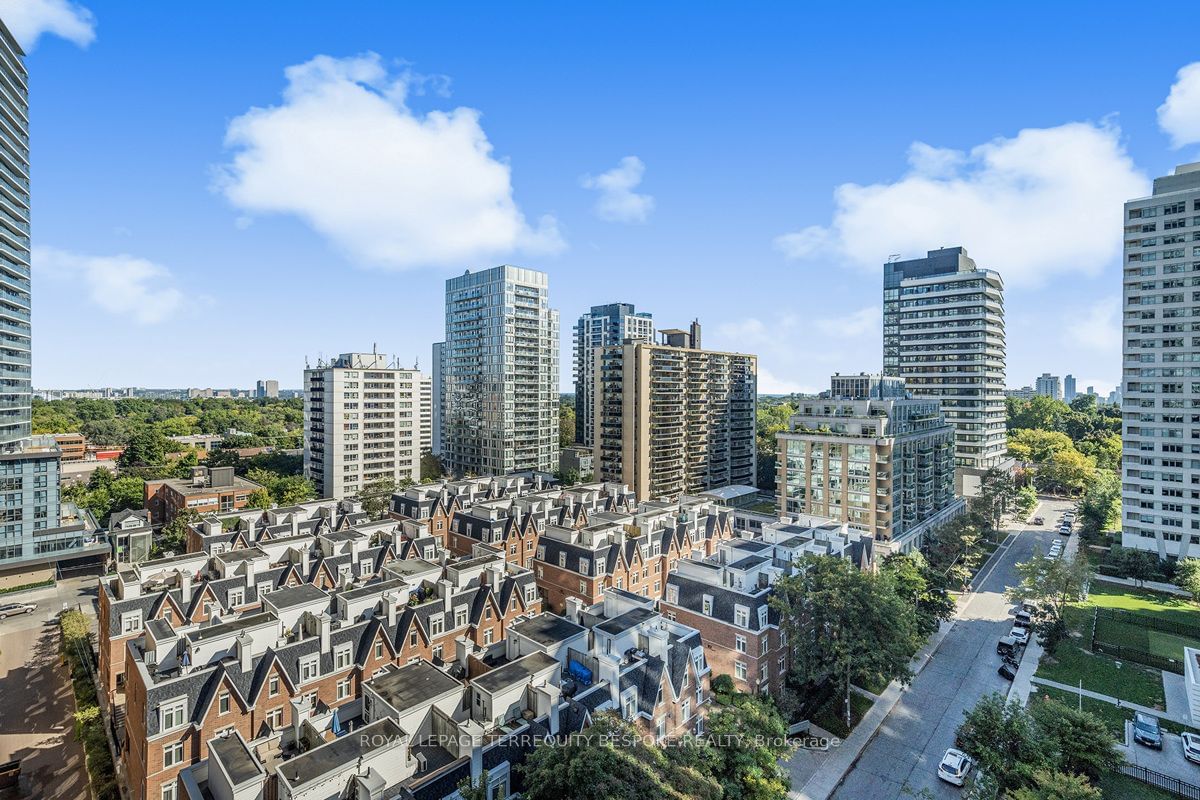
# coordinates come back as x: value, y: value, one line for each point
x: 1182, y: 719
x: 1155, y: 586
x: 1022, y: 685
x: 839, y: 760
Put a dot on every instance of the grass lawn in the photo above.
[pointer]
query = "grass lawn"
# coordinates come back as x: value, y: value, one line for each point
x: 1116, y: 786
x: 832, y: 715
x: 1160, y: 643
x: 1124, y: 598
x: 1100, y: 673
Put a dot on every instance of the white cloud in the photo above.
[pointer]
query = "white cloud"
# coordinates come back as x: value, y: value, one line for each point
x: 391, y: 187
x: 29, y: 19
x: 1179, y: 115
x: 1097, y: 327
x: 617, y: 201
x: 122, y: 284
x: 1042, y: 203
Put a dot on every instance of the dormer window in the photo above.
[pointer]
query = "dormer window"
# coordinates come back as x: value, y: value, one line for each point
x: 584, y: 565
x: 541, y: 552
x: 172, y: 714
x: 131, y: 622
x: 310, y: 668
x: 437, y: 625
x: 530, y: 594
x: 741, y: 616
x: 673, y: 594
x: 707, y: 606
x: 562, y: 559
x: 236, y: 597
x: 460, y: 617
x: 341, y: 657
x: 762, y: 617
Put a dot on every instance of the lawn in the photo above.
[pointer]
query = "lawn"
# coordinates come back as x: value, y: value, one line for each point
x: 1160, y: 643
x: 1070, y: 662
x: 1124, y: 598
x: 1114, y: 718
x: 1116, y: 786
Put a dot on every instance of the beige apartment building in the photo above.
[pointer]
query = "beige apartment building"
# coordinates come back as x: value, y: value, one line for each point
x: 872, y: 456
x: 673, y: 419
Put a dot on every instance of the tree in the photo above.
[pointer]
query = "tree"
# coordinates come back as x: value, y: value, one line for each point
x: 953, y: 550
x: 1100, y: 509
x: 748, y: 740
x: 172, y: 538
x: 376, y: 496
x: 1038, y: 412
x: 1056, y: 786
x: 566, y: 424
x: 259, y: 498
x: 1050, y: 584
x: 1069, y: 471
x: 924, y: 588
x: 431, y: 467
x: 996, y: 492
x: 611, y: 759
x: 474, y: 790
x: 146, y: 449
x: 1138, y: 565
x: 570, y: 477
x: 1027, y: 499
x: 844, y: 623
x: 1187, y: 575
x: 1004, y: 740
x: 1079, y: 739
x: 1037, y: 445
x: 770, y: 421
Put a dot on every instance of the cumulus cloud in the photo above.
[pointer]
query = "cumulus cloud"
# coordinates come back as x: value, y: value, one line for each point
x: 1096, y: 327
x: 1042, y: 203
x: 797, y: 354
x: 1179, y: 115
x: 123, y: 285
x: 29, y: 19
x: 617, y: 202
x: 391, y: 187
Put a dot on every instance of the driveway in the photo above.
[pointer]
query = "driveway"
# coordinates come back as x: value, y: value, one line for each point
x: 901, y: 761
x: 36, y: 723
x: 1168, y: 761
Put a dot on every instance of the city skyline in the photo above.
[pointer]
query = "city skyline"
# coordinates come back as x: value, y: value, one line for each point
x: 173, y: 228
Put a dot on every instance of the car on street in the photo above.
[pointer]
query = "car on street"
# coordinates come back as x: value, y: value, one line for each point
x: 955, y: 766
x: 1029, y: 608
x: 1019, y: 634
x: 1007, y: 671
x: 1147, y: 731
x: 1006, y: 646
x: 12, y: 609
x: 1039, y: 520
x: 1023, y: 619
x: 1056, y: 543
x: 1191, y: 746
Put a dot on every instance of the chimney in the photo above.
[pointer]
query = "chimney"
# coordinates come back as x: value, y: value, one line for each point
x: 572, y: 609
x: 185, y: 586
x: 295, y: 524
x: 245, y: 656
x: 304, y: 565
x: 389, y: 602
x: 249, y: 574
x: 250, y: 524
x: 462, y: 649
x: 497, y: 576
x: 444, y: 589
x: 326, y: 625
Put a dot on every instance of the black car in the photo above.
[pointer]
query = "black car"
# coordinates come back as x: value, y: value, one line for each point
x: 1007, y: 670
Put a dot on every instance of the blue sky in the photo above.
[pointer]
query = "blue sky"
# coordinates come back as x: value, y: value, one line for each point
x: 686, y: 158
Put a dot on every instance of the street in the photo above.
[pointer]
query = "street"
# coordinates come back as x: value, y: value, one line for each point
x: 36, y: 724
x: 902, y: 759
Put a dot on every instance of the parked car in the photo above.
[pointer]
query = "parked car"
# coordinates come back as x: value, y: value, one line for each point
x: 1019, y: 634
x: 1006, y: 646
x: 1147, y: 731
x: 955, y: 766
x: 1039, y: 520
x: 1023, y: 619
x: 12, y: 609
x: 1056, y: 543
x: 1007, y: 671
x: 1029, y: 608
x: 1191, y: 746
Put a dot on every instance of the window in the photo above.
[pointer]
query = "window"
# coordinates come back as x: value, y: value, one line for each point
x: 762, y: 617
x: 763, y: 645
x: 275, y: 719
x: 487, y: 636
x: 172, y: 755
x: 585, y: 565
x: 686, y: 712
x: 708, y: 605
x: 673, y: 594
x: 378, y: 650
x: 343, y: 689
x: 309, y: 668
x: 583, y: 587
x: 460, y: 617
x: 437, y: 625
x: 739, y: 670
x: 169, y: 791
x: 223, y: 703
x: 173, y: 714
x: 741, y: 616
x: 237, y: 597
x: 341, y: 657
x: 273, y: 686
x: 740, y: 643
x: 131, y: 623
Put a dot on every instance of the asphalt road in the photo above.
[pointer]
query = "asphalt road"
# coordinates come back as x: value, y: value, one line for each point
x: 36, y: 705
x: 901, y: 761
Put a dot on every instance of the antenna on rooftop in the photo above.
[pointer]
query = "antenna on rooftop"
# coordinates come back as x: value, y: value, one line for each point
x: 893, y: 258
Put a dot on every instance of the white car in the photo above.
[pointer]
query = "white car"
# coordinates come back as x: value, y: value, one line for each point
x: 955, y: 766
x: 12, y: 609
x: 1191, y: 746
x: 1020, y: 633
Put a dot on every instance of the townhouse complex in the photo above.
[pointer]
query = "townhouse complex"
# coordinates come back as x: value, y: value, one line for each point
x: 313, y: 652
x: 871, y: 455
x: 1160, y: 482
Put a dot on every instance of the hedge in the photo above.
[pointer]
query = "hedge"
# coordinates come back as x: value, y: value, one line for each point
x: 89, y: 724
